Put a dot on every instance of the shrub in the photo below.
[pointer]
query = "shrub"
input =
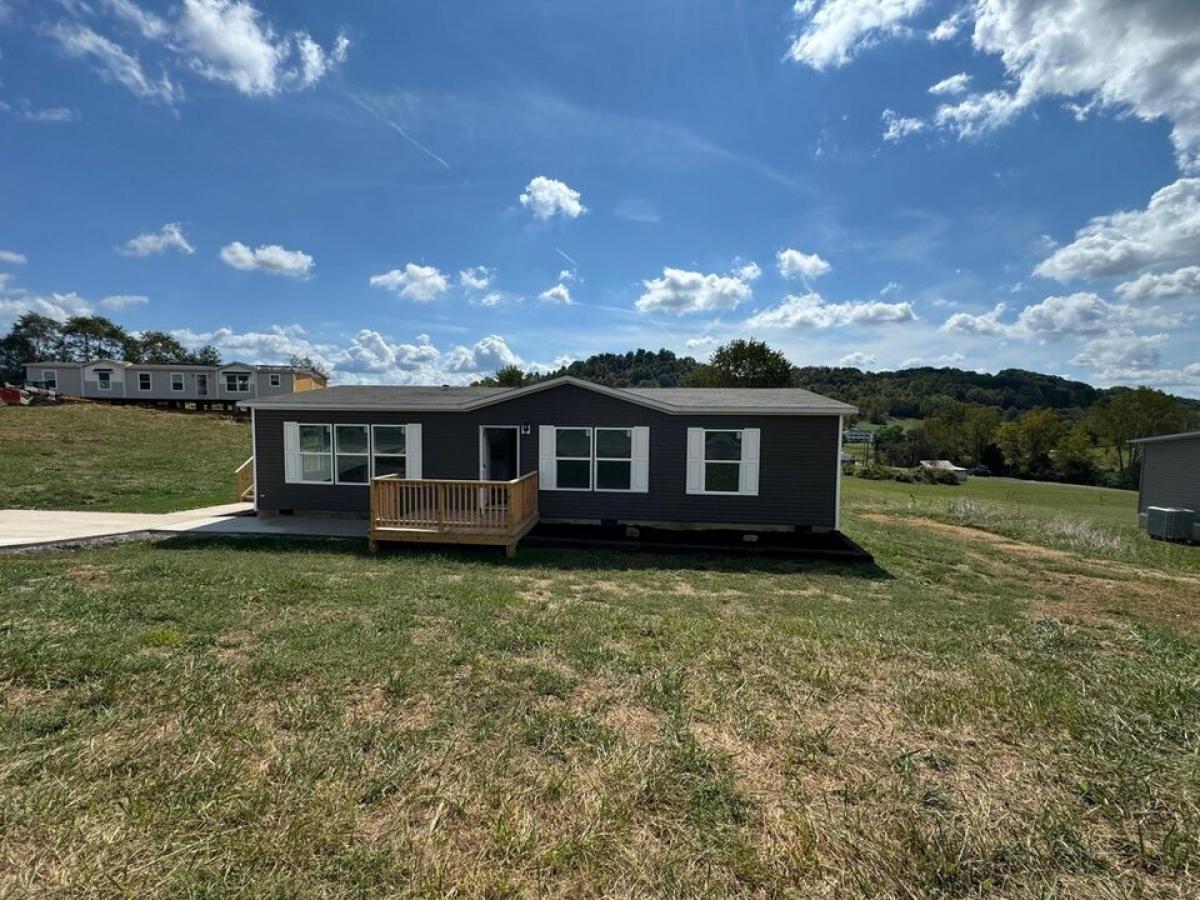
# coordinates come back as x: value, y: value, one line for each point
x: 921, y: 475
x: 873, y: 472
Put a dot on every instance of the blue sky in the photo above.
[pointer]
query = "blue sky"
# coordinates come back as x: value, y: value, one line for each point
x: 419, y: 192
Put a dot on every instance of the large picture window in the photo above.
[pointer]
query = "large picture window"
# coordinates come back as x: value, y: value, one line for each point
x: 349, y: 454
x: 352, y: 461
x: 316, y: 454
x: 614, y: 459
x: 237, y: 383
x: 390, y: 450
x: 573, y: 459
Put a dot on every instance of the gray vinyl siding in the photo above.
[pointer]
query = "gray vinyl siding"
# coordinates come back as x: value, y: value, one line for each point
x: 160, y: 384
x: 1171, y: 474
x: 69, y: 378
x: 797, y: 474
x: 263, y: 382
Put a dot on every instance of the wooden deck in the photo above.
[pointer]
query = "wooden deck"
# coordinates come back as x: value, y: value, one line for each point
x: 453, y: 511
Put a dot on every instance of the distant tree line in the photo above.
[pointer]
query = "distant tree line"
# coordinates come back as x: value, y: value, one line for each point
x: 35, y: 337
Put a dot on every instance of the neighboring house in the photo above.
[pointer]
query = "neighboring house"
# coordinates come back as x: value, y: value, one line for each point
x: 1170, y: 471
x: 944, y: 465
x: 564, y: 450
x: 118, y: 381
x: 858, y: 436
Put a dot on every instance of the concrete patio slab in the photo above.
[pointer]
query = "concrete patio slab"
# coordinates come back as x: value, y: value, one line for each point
x: 23, y: 528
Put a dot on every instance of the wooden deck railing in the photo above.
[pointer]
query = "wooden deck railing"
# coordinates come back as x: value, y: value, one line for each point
x: 454, y: 507
x: 243, y: 480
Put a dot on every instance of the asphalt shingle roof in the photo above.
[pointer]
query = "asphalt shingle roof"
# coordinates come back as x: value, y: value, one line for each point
x: 675, y: 400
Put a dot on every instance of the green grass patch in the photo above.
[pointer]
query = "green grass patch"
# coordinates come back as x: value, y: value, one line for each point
x: 117, y: 459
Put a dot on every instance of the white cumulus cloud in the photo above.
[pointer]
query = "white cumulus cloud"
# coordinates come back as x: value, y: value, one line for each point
x: 415, y: 282
x: 169, y: 237
x: 230, y: 41
x: 811, y: 310
x: 1167, y: 230
x: 548, y: 197
x: 1054, y: 318
x: 897, y: 127
x: 858, y: 360
x: 955, y: 84
x: 476, y: 278
x: 1183, y: 282
x: 680, y: 291
x: 270, y: 258
x: 12, y: 257
x: 794, y: 264
x: 559, y: 293
x: 835, y: 30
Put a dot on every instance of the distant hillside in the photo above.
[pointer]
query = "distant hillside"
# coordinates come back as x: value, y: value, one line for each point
x: 638, y: 368
x: 905, y: 393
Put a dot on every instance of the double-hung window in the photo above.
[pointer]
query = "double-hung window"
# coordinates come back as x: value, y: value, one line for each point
x: 50, y: 379
x: 723, y: 461
x: 390, y: 450
x: 177, y: 381
x: 274, y: 379
x: 573, y: 459
x: 614, y: 459
x: 144, y: 382
x: 104, y: 379
x: 352, y: 448
x: 309, y: 453
x: 578, y: 458
x: 349, y: 454
x: 237, y: 383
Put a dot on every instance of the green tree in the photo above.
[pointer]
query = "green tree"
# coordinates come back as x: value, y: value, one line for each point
x: 1072, y: 456
x: 307, y: 362
x: 208, y: 355
x: 32, y: 338
x: 979, y: 426
x: 509, y: 376
x: 742, y: 363
x: 92, y: 337
x: 1127, y: 414
x: 1026, y: 442
x: 160, y: 349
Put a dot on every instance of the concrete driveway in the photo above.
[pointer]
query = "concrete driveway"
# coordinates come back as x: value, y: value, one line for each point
x: 34, y: 527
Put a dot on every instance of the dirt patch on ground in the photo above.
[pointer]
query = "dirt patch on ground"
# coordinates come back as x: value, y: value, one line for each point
x: 965, y: 532
x: 92, y: 577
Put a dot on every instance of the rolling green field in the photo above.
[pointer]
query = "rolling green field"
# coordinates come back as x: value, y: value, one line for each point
x: 117, y: 459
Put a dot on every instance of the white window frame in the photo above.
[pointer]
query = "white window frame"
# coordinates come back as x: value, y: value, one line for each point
x: 412, y: 452
x: 177, y: 378
x: 336, y: 453
x: 300, y: 454
x: 597, y: 459
x: 275, y: 379
x: 748, y: 464
x: 404, y: 455
x: 589, y: 459
x: 149, y: 381
x: 237, y: 376
x: 104, y: 384
x: 51, y: 382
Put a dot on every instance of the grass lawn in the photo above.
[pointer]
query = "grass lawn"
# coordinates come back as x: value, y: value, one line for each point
x: 977, y: 715
x: 119, y: 459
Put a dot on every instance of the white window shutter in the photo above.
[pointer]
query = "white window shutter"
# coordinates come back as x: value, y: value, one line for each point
x: 412, y: 447
x: 547, y: 471
x: 640, y: 470
x: 291, y: 452
x: 695, y: 461
x: 750, y: 451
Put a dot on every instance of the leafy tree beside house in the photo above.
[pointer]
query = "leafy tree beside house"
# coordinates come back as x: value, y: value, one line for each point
x: 742, y: 363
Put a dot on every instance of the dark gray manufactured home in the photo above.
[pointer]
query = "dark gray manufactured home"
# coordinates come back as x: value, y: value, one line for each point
x: 461, y: 460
